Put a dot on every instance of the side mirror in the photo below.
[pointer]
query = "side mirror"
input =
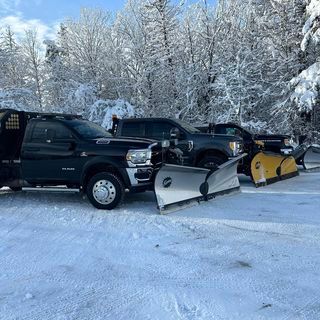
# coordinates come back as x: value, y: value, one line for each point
x: 175, y: 133
x: 165, y: 144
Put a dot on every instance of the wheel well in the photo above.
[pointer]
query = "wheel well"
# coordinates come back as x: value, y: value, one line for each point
x: 97, y: 168
x: 212, y: 152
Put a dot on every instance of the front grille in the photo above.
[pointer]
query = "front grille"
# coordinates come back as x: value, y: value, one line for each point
x: 157, y: 158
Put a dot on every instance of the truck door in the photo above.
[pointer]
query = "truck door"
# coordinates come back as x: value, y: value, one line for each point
x: 49, y: 153
x: 160, y: 130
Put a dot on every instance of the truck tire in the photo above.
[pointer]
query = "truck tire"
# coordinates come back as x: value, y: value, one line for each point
x: 105, y: 190
x: 211, y: 162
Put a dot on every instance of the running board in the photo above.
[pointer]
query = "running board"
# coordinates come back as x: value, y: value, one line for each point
x: 51, y: 189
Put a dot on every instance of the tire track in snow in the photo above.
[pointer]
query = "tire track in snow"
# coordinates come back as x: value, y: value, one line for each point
x: 309, y: 311
x: 71, y: 303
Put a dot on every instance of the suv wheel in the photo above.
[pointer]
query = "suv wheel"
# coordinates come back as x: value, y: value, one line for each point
x: 105, y: 190
x: 211, y: 162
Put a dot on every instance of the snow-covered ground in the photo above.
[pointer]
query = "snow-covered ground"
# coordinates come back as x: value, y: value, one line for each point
x: 254, y: 255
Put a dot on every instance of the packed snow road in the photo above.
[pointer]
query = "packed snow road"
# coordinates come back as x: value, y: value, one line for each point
x: 254, y: 255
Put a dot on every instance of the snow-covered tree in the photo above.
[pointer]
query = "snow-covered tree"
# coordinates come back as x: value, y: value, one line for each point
x: 311, y: 28
x: 33, y: 58
x: 250, y: 61
x: 11, y: 63
x: 301, y: 104
x: 85, y: 41
x: 56, y: 71
x: 102, y: 111
x: 159, y: 19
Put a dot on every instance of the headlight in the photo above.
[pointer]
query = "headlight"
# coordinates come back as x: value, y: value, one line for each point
x: 259, y: 143
x: 236, y: 147
x: 288, y: 142
x: 139, y: 156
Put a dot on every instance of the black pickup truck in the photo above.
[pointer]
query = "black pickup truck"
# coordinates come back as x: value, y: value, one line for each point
x: 277, y: 143
x: 47, y: 150
x: 199, y: 149
x: 252, y: 143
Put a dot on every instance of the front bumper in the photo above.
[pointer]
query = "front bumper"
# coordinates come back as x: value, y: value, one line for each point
x: 286, y: 152
x: 140, y: 175
x: 141, y: 179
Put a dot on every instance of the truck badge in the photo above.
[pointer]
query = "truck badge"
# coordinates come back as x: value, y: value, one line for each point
x: 167, y: 182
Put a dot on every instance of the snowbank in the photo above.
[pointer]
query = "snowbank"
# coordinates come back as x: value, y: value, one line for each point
x: 254, y: 255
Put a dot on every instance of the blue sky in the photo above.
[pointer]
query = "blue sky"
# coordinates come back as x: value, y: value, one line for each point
x: 51, y: 10
x: 44, y: 15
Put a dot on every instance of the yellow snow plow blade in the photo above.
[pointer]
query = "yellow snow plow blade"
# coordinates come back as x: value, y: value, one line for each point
x: 267, y: 168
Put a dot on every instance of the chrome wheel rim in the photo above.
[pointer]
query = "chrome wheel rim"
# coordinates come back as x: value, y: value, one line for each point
x: 104, y: 192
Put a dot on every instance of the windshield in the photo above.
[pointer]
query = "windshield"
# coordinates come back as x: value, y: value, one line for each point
x: 89, y: 130
x: 187, y: 126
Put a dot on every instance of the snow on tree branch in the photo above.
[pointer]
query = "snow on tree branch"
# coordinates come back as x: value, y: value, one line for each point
x: 311, y: 29
x: 306, y: 88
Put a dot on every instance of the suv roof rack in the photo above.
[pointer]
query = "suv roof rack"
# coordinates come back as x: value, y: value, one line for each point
x: 55, y: 115
x: 38, y: 115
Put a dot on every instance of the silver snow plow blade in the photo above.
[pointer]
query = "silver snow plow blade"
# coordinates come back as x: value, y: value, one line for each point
x: 311, y: 159
x: 177, y: 186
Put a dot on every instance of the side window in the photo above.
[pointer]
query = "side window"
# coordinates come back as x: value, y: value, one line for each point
x: 159, y: 130
x: 58, y: 132
x: 61, y: 132
x: 39, y: 133
x: 232, y: 131
x: 133, y: 129
x: 220, y: 130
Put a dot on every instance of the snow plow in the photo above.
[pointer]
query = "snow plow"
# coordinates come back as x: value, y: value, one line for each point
x: 271, y: 157
x: 310, y: 159
x: 180, y: 186
x: 267, y: 168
